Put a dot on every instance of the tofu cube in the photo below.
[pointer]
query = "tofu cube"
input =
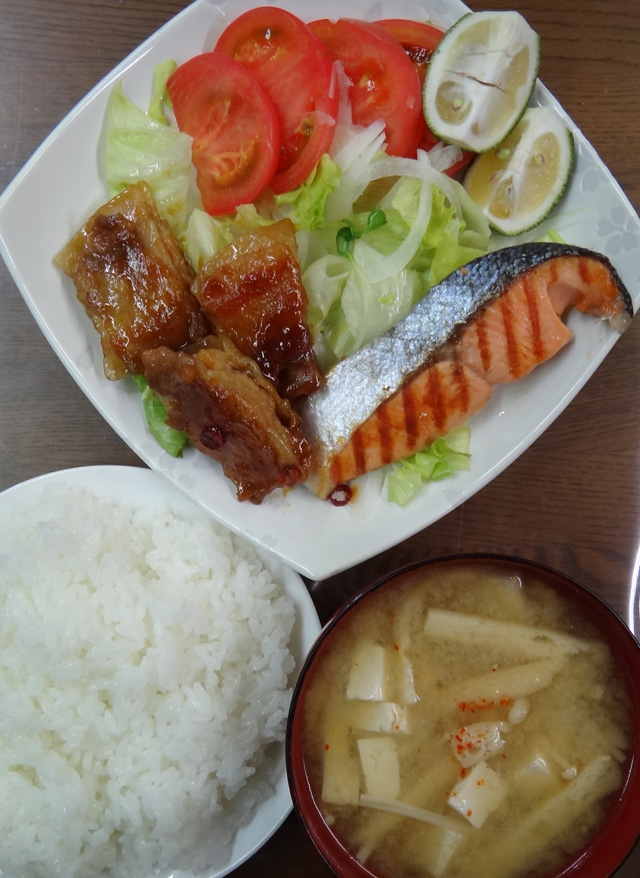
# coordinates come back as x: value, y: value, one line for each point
x: 478, y: 794
x: 341, y: 774
x: 380, y: 766
x: 381, y: 716
x: 368, y: 673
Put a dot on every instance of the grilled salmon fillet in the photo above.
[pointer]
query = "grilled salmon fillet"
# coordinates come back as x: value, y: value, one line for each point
x: 523, y: 328
x: 430, y: 405
x: 489, y: 323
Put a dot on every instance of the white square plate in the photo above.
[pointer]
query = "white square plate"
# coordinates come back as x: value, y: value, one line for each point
x: 63, y: 179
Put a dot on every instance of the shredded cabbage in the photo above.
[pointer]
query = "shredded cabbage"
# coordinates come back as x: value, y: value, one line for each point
x: 155, y: 414
x: 441, y: 459
x: 205, y: 235
x: 139, y: 147
x: 379, y: 273
x: 307, y: 202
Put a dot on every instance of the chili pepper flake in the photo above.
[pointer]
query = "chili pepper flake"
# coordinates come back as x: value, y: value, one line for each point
x: 473, y: 706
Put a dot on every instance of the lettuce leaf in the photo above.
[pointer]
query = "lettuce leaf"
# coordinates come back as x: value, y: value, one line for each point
x: 155, y: 414
x: 441, y: 459
x: 307, y: 202
x: 448, y: 242
x: 159, y: 93
x: 205, y: 235
x: 139, y: 147
x: 362, y: 299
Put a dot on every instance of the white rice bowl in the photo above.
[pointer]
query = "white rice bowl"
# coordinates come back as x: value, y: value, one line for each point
x: 143, y: 675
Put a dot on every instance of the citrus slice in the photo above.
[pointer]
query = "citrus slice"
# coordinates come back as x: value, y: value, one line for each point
x: 519, y: 182
x: 480, y: 78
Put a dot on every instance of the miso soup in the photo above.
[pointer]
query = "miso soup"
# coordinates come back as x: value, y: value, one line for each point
x: 465, y: 724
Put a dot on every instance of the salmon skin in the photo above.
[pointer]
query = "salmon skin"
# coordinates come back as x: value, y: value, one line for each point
x: 347, y: 421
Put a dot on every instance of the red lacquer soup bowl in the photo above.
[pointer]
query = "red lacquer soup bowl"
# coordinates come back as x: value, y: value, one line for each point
x: 475, y: 716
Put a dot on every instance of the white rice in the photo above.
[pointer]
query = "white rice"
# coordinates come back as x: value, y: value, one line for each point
x: 143, y: 672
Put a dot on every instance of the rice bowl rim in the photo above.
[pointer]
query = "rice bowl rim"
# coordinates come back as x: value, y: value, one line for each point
x: 139, y: 487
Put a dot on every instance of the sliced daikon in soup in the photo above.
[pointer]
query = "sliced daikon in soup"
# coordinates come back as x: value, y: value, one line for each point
x: 465, y: 727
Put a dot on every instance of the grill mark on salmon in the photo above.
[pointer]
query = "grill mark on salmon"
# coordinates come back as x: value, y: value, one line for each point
x: 514, y: 334
x: 483, y: 345
x: 410, y: 414
x: 490, y: 323
x: 583, y: 270
x: 435, y: 396
x: 463, y: 390
x: 534, y: 319
x: 509, y: 331
x: 446, y: 395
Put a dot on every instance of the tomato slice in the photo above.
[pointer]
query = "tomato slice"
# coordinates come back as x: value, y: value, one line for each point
x: 419, y: 41
x: 296, y: 71
x: 234, y: 126
x: 385, y: 83
x: 416, y: 38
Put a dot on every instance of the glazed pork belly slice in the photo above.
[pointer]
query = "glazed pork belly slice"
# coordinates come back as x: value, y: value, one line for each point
x: 134, y: 281
x: 232, y: 413
x: 252, y: 292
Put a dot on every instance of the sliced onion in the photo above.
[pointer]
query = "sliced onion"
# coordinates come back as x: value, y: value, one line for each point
x: 396, y: 166
x: 443, y: 156
x: 394, y: 262
x: 351, y: 142
x: 359, y: 145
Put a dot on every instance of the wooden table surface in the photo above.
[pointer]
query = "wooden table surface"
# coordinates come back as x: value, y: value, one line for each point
x: 571, y: 501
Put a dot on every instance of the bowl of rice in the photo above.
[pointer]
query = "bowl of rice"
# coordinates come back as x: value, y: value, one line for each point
x: 147, y: 659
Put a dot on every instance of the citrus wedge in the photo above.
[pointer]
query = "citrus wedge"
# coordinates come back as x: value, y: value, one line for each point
x: 518, y: 183
x: 480, y: 78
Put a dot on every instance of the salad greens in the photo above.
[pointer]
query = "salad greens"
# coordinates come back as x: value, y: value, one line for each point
x: 441, y: 459
x: 374, y: 234
x: 155, y: 413
x: 141, y: 147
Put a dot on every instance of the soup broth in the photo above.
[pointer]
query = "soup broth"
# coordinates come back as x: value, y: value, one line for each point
x: 465, y: 724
